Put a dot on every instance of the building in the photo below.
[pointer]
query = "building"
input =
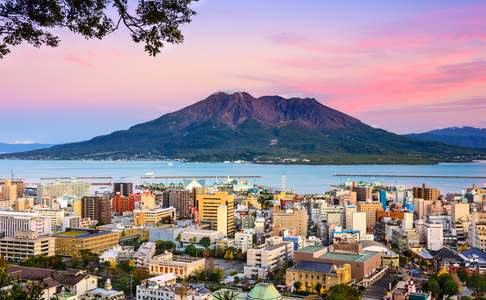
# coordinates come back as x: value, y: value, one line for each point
x: 144, y: 254
x: 123, y: 188
x: 122, y: 204
x: 244, y: 239
x: 181, y: 200
x: 458, y: 211
x: 309, y: 274
x: 9, y: 191
x: 147, y: 201
x: 296, y: 218
x: 96, y: 208
x: 426, y: 193
x: 164, y: 287
x: 358, y: 222
x: 24, y: 204
x: 405, y: 239
x: 180, y: 266
x: 12, y: 221
x: 363, y: 193
x: 56, y: 217
x: 477, y: 231
x: 364, y: 264
x: 434, y: 236
x: 72, y: 241
x: 193, y: 236
x: 218, y: 210
x: 26, y: 244
x: 154, y: 217
x: 71, y: 222
x: 348, y: 216
x: 62, y: 189
x: 370, y: 208
x: 266, y: 259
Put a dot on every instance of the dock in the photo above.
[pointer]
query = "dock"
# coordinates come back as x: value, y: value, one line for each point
x: 411, y: 176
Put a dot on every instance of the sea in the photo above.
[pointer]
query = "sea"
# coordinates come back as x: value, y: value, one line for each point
x: 303, y: 179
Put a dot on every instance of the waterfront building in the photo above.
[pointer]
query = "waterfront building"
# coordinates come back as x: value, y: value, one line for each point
x: 61, y: 189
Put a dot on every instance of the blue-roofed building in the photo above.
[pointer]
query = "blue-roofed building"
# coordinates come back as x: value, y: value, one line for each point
x: 309, y: 274
x: 382, y: 194
x: 474, y: 258
x: 296, y: 240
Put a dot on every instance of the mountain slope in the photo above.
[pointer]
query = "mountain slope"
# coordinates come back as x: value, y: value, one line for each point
x: 9, y: 148
x: 270, y: 128
x: 456, y: 136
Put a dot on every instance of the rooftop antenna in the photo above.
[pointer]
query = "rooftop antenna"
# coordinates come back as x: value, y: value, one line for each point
x: 13, y: 175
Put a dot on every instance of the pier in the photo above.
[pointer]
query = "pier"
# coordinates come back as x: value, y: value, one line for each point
x: 411, y: 176
x: 202, y: 177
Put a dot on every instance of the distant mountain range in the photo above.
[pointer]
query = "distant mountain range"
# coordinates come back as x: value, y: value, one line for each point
x: 9, y: 148
x: 268, y: 129
x: 457, y: 136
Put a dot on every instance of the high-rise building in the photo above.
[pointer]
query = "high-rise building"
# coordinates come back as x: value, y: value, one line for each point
x: 426, y: 193
x: 407, y: 221
x: 370, y: 208
x: 96, y: 208
x: 12, y: 221
x: 147, y: 200
x: 61, y: 189
x: 9, y: 191
x: 122, y: 204
x: 296, y: 218
x: 434, y: 236
x: 124, y: 188
x: 181, y: 200
x: 209, y: 206
x: 476, y: 237
x: 19, y: 185
x: 459, y: 210
x: 363, y: 193
x: 348, y: 215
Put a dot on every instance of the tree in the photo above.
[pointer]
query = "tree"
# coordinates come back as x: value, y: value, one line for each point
x: 153, y: 23
x: 225, y: 295
x: 342, y: 292
x: 432, y: 285
x: 205, y: 242
x: 473, y: 283
x: 318, y: 288
x: 462, y: 274
x: 162, y: 246
x: 297, y: 285
x: 265, y: 200
x: 11, y: 289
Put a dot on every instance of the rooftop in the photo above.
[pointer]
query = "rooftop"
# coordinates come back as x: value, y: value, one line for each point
x: 80, y: 233
x: 362, y: 257
x: 311, y: 249
x: 313, y: 267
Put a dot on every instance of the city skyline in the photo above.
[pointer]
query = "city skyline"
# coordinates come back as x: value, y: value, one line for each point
x: 386, y: 64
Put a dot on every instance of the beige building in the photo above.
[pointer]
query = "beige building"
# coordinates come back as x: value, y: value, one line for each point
x: 56, y: 217
x: 266, y: 259
x: 24, y: 204
x: 72, y: 241
x: 147, y: 201
x: 193, y: 236
x: 181, y: 266
x: 154, y: 216
x: 309, y: 274
x: 26, y: 244
x: 296, y: 218
x: 218, y: 209
x: 477, y: 231
x: 370, y: 208
x: 459, y: 210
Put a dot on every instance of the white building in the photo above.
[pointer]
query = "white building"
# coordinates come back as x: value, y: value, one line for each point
x: 244, y: 239
x: 12, y: 221
x: 61, y: 189
x: 144, y: 254
x: 193, y: 236
x: 434, y: 236
x: 407, y: 221
x: 56, y: 216
x: 263, y: 260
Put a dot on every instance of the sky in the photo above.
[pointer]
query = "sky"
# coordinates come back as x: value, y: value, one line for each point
x: 405, y: 66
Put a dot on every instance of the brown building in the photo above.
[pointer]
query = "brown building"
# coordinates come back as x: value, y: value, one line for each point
x: 181, y: 200
x: 370, y: 208
x: 121, y: 204
x: 363, y: 193
x: 426, y: 193
x: 124, y: 188
x: 96, y: 208
x: 363, y: 265
x: 290, y: 219
x: 380, y: 214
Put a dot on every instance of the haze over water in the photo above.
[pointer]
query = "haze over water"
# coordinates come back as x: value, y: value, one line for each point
x: 299, y: 178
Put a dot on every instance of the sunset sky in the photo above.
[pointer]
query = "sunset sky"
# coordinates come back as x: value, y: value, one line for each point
x: 404, y: 66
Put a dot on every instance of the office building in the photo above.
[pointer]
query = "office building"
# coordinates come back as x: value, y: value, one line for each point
x: 266, y: 259
x: 426, y: 193
x: 144, y: 254
x: 26, y: 244
x: 218, y: 210
x: 122, y: 204
x: 96, y: 208
x: 296, y: 218
x: 124, y: 188
x: 24, y: 204
x: 244, y: 239
x: 12, y: 221
x: 434, y: 236
x: 56, y: 217
x: 370, y: 208
x: 72, y: 241
x: 181, y: 266
x: 154, y: 217
x: 358, y: 222
x: 181, y: 200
